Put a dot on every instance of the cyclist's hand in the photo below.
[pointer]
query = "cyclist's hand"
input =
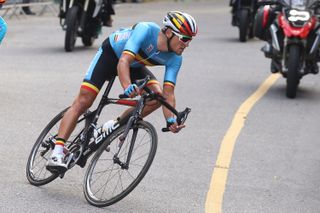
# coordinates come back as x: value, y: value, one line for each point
x: 131, y: 91
x: 173, y: 125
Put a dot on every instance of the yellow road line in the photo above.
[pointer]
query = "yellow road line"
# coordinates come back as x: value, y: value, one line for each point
x: 220, y: 172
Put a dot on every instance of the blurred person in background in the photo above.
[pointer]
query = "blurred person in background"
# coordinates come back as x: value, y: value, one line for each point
x: 3, y: 24
x: 26, y: 9
x: 107, y: 12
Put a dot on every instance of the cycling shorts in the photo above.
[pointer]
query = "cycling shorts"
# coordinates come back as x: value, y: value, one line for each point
x: 103, y: 68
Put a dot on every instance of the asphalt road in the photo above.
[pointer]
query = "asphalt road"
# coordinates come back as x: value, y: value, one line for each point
x: 275, y: 164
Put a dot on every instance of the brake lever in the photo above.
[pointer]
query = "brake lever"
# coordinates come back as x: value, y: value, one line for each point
x: 140, y: 84
x: 181, y: 118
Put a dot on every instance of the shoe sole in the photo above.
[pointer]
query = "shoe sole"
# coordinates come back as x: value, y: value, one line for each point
x: 56, y: 169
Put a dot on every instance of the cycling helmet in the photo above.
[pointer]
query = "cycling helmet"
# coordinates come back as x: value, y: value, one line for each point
x: 181, y: 23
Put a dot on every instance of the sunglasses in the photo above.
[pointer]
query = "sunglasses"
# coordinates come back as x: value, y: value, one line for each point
x: 182, y: 38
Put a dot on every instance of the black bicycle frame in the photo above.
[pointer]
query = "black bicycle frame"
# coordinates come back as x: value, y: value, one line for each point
x: 128, y: 120
x: 91, y: 123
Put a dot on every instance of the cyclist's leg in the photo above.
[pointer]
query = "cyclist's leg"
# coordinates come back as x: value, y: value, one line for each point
x: 99, y: 71
x: 81, y: 103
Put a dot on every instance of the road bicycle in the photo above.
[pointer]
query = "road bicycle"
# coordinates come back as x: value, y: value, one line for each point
x: 121, y: 157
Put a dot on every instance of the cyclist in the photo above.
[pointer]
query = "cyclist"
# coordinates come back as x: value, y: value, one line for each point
x: 3, y: 24
x: 126, y: 53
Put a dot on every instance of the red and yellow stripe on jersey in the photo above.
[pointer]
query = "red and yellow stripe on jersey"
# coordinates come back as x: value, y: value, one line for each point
x: 142, y: 58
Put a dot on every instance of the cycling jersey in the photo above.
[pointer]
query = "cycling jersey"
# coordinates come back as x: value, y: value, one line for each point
x: 3, y: 29
x: 140, y: 41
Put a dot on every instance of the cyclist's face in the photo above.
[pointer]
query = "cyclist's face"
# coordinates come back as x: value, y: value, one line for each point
x: 178, y: 45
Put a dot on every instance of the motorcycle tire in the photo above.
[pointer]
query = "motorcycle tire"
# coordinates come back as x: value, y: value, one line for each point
x: 72, y: 23
x: 293, y: 75
x: 243, y: 25
x: 87, y: 41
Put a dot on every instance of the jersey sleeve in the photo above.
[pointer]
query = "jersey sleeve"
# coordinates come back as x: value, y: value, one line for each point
x: 172, y: 70
x: 138, y: 35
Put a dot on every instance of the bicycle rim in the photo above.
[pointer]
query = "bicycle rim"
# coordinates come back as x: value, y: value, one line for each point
x: 105, y: 181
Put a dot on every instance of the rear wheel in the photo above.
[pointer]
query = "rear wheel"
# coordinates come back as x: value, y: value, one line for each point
x: 243, y: 25
x: 72, y: 23
x: 109, y: 178
x: 293, y: 75
x: 36, y: 171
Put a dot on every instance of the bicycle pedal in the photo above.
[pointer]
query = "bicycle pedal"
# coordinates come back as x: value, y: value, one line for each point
x: 56, y: 170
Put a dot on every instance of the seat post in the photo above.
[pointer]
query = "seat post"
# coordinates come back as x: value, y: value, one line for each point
x: 107, y: 91
x: 104, y: 99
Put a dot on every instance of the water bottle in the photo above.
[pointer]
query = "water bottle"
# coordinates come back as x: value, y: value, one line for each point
x: 106, y: 127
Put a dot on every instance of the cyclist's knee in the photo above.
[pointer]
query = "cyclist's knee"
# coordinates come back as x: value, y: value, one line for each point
x: 83, y: 102
x: 156, y: 88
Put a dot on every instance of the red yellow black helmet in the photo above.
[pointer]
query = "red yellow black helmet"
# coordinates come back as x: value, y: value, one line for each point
x: 181, y: 23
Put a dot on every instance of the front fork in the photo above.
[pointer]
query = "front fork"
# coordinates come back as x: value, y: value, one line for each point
x: 281, y: 53
x: 125, y: 165
x: 130, y: 125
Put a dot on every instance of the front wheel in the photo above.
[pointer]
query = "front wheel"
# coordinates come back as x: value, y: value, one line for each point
x: 72, y: 23
x: 109, y: 178
x: 293, y: 75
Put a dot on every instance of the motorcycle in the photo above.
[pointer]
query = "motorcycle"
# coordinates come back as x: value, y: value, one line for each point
x: 84, y: 18
x: 292, y: 30
x: 243, y: 13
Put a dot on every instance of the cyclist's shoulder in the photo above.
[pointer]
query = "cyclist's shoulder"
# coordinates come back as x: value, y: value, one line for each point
x: 146, y: 26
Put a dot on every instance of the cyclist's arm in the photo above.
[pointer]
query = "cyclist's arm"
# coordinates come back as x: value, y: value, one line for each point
x: 124, y: 69
x: 170, y: 78
x: 131, y: 48
x: 168, y: 93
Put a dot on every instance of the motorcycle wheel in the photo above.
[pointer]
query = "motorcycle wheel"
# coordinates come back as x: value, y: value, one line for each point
x: 243, y: 25
x: 293, y: 76
x: 87, y: 41
x: 72, y: 23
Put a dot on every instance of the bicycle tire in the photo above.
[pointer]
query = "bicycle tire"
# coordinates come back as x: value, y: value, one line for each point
x: 144, y: 129
x: 36, y: 171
